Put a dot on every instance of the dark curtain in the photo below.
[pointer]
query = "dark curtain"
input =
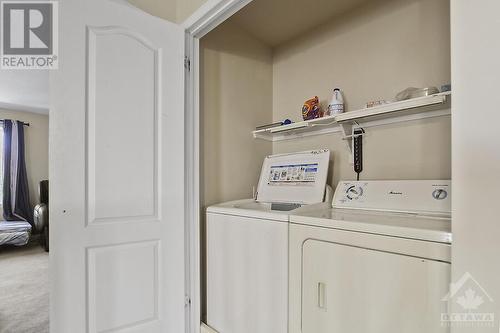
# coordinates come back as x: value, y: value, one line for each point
x: 16, y: 198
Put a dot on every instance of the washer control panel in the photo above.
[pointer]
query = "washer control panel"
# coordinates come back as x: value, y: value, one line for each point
x: 354, y: 192
x: 411, y: 196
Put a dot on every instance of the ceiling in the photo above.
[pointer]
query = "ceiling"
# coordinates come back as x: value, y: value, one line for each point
x: 277, y: 21
x: 25, y: 90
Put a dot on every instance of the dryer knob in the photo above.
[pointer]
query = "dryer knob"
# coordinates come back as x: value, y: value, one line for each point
x: 354, y: 192
x: 440, y: 194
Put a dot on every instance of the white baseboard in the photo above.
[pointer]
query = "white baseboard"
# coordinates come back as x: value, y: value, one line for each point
x: 207, y: 329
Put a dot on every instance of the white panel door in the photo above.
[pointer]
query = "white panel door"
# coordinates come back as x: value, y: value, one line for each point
x: 117, y: 172
x: 351, y: 289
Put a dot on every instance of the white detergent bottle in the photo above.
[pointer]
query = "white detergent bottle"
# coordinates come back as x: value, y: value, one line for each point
x: 336, y: 105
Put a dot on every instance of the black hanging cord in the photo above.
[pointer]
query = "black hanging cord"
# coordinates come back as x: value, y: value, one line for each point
x: 358, y: 149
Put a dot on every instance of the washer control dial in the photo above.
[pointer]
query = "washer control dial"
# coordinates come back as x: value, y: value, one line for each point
x: 354, y: 192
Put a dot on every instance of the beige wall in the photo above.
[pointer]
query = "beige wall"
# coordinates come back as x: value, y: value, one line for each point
x: 372, y: 53
x: 476, y: 155
x: 36, y: 138
x: 171, y: 10
x: 187, y: 7
x: 412, y: 150
x: 236, y: 97
x: 166, y: 9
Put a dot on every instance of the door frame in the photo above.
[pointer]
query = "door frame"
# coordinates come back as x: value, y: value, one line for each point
x: 204, y: 20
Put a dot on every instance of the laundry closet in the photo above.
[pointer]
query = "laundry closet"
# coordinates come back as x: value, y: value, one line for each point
x: 260, y: 66
x: 263, y: 63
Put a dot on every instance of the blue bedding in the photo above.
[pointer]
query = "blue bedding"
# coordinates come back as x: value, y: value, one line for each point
x: 14, y: 233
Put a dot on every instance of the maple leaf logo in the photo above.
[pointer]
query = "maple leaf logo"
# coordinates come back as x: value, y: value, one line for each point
x: 470, y: 301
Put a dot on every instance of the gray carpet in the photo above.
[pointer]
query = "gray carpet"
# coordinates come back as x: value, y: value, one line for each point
x: 24, y: 289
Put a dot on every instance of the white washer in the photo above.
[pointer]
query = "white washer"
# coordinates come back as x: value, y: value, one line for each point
x: 247, y: 245
x: 378, y: 261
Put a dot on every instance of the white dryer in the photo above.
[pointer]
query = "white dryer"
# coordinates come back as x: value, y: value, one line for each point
x: 378, y: 261
x: 247, y: 245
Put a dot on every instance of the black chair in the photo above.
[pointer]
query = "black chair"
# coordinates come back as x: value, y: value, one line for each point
x: 41, y: 214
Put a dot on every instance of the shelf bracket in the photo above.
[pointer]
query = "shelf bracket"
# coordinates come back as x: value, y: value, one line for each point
x: 348, y: 136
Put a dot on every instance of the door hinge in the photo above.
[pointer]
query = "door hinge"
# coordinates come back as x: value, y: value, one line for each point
x: 187, y: 300
x: 187, y: 63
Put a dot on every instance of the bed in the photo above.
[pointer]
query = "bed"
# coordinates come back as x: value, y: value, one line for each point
x: 14, y: 233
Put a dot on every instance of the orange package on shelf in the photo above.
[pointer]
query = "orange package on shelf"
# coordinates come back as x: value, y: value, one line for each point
x: 311, y: 109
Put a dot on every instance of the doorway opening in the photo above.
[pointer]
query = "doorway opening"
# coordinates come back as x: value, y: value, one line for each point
x: 24, y: 177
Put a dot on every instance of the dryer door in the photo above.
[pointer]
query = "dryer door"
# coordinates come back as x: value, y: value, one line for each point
x: 351, y: 289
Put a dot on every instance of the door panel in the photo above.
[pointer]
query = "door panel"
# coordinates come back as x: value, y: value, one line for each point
x: 351, y: 289
x: 301, y: 235
x: 117, y: 172
x: 128, y: 82
x: 113, y: 269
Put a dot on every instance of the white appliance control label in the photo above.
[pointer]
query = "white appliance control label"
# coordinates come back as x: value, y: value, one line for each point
x: 297, y: 178
x: 293, y: 174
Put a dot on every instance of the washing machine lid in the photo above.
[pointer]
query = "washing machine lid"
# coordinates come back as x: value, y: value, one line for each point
x: 251, y: 209
x: 297, y: 178
x: 404, y: 225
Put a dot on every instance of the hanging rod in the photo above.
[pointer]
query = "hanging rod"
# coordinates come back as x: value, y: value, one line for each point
x: 25, y: 124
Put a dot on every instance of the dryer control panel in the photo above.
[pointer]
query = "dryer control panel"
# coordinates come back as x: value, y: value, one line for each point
x: 431, y: 197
